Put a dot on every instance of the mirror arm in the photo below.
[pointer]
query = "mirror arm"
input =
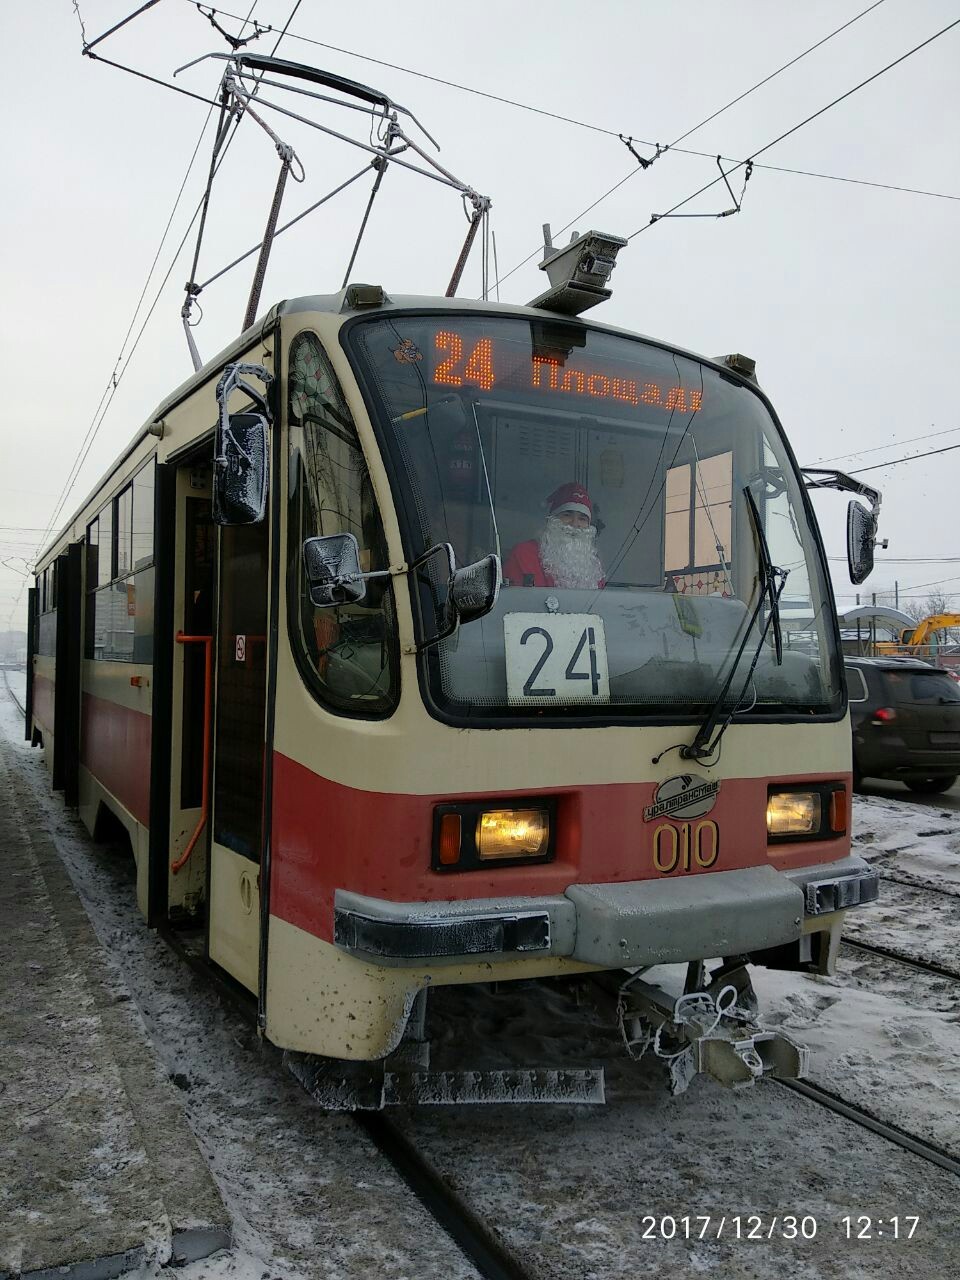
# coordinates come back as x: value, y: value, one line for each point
x: 231, y: 380
x: 823, y: 478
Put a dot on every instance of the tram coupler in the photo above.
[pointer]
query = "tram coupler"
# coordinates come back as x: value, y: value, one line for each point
x: 712, y: 1030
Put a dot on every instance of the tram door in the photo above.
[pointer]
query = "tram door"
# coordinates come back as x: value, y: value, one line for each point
x: 241, y: 686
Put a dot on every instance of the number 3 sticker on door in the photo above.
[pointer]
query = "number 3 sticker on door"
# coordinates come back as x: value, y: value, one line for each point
x: 555, y: 658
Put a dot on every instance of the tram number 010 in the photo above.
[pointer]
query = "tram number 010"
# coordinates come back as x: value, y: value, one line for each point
x: 685, y: 846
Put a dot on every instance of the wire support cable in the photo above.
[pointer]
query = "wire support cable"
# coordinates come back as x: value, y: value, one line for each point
x: 749, y: 166
x: 118, y: 371
x: 614, y: 133
x: 802, y: 124
x: 116, y: 26
x: 113, y: 381
x: 896, y: 462
x: 859, y: 453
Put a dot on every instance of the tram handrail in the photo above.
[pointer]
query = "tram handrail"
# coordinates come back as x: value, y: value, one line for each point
x: 207, y: 642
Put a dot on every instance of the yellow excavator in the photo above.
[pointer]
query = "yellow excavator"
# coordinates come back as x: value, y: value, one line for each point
x: 921, y: 641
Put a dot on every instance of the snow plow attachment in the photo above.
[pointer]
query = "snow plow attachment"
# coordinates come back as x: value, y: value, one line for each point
x: 711, y: 1030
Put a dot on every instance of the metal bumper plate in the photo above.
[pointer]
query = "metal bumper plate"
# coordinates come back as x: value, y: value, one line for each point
x: 647, y: 922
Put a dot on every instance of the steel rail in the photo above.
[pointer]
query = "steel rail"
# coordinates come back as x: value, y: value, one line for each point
x: 916, y: 884
x: 859, y: 1115
x: 472, y: 1236
x: 17, y: 703
x: 475, y: 1239
x: 929, y: 967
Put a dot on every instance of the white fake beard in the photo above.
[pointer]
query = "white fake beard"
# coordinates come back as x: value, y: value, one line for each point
x: 569, y: 557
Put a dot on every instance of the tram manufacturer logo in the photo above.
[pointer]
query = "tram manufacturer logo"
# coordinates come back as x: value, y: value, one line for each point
x: 685, y: 796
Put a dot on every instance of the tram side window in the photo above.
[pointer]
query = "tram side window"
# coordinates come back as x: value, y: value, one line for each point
x: 47, y: 612
x: 349, y: 655
x: 120, y: 575
x: 142, y: 528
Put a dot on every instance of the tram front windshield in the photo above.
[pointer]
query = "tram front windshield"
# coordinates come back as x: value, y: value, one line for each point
x: 609, y: 474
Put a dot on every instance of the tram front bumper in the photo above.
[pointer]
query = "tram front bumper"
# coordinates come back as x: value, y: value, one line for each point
x: 627, y: 924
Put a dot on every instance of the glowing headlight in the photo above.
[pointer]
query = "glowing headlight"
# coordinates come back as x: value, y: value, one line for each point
x: 794, y: 813
x: 513, y: 833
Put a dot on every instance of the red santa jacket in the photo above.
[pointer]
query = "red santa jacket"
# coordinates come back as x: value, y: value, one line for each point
x: 523, y: 567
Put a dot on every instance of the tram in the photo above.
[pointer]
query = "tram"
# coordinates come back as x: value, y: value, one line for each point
x: 420, y: 641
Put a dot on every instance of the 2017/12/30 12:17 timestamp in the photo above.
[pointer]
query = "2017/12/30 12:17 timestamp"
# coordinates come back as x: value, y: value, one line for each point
x: 754, y: 1226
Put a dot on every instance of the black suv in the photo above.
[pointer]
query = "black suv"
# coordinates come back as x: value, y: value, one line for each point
x: 905, y: 716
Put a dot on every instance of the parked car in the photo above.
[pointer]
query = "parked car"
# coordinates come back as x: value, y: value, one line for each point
x: 905, y: 717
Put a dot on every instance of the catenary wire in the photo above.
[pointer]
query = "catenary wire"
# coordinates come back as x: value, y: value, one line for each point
x: 613, y: 133
x: 913, y: 457
x: 113, y: 380
x: 723, y: 176
x: 112, y: 386
x: 655, y: 218
x: 774, y: 74
x: 859, y: 453
x: 115, y: 377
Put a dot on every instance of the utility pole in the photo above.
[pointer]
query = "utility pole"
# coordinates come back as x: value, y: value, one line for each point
x: 896, y: 594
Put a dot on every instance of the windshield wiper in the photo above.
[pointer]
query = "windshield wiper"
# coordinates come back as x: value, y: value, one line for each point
x: 772, y: 580
x: 769, y: 574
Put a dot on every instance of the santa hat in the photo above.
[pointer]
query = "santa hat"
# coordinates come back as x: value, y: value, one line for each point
x: 570, y: 497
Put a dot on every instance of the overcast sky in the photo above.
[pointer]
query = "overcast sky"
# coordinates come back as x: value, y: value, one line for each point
x: 844, y: 294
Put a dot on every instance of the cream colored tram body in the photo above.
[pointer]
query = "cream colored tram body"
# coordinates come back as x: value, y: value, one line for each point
x: 367, y: 786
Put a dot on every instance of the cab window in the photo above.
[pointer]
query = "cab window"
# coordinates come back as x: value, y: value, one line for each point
x: 348, y: 655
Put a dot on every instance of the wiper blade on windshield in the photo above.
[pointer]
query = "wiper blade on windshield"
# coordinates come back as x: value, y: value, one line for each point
x: 769, y: 573
x: 772, y: 580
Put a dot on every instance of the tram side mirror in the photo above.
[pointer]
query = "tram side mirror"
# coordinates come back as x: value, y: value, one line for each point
x: 475, y: 587
x: 333, y: 571
x: 240, y: 469
x: 861, y: 539
x: 447, y: 596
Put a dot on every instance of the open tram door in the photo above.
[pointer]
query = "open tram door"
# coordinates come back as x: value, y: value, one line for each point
x: 239, y: 661
x: 218, y: 583
x: 240, y: 682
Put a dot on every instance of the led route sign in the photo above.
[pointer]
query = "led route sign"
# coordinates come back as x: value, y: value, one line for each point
x: 456, y: 367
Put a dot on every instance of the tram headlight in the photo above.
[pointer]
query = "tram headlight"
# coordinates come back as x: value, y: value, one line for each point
x: 469, y: 835
x: 794, y: 813
x: 512, y: 833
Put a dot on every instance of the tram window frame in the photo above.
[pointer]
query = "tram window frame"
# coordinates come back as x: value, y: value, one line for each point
x: 45, y: 634
x: 334, y: 417
x: 123, y: 536
x: 115, y: 567
x: 142, y: 523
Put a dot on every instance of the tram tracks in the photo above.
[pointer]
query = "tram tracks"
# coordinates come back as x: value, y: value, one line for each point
x: 475, y: 1238
x: 16, y: 701
x: 928, y: 967
x: 861, y: 1116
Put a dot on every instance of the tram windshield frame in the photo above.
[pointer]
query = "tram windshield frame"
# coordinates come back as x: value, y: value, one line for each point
x: 497, y: 427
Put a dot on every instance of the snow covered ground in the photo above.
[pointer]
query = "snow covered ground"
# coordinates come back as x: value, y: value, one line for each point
x: 569, y: 1187
x: 880, y: 1033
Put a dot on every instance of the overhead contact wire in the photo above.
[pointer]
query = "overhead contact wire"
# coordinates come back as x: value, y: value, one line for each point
x: 789, y: 132
x: 110, y: 390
